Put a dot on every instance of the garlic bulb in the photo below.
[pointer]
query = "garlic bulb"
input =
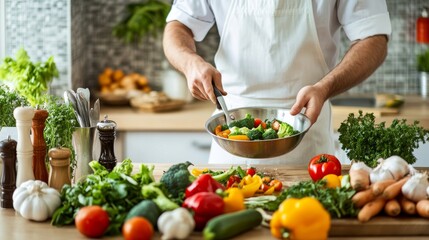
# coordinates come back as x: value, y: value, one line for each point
x: 393, y: 167
x: 416, y: 187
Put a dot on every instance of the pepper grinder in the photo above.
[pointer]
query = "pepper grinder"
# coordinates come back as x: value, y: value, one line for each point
x: 24, y: 148
x: 59, y: 174
x: 8, y: 156
x: 107, y: 130
x: 39, y: 145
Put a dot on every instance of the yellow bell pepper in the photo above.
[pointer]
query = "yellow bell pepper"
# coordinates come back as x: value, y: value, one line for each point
x: 301, y: 219
x: 233, y: 200
x: 250, y: 184
x: 197, y: 172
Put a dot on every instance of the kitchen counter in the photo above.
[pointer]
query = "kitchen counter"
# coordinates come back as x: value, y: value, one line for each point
x: 13, y: 226
x: 194, y: 116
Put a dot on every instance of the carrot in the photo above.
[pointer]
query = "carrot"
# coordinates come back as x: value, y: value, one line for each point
x: 371, y: 209
x: 392, y: 208
x: 363, y: 197
x: 224, y: 133
x: 407, y: 205
x: 422, y: 207
x: 378, y: 187
x: 238, y: 137
x: 394, y: 189
x: 218, y: 129
x: 359, y: 179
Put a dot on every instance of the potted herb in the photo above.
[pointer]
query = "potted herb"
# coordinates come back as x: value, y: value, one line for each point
x: 423, y: 68
x: 146, y: 18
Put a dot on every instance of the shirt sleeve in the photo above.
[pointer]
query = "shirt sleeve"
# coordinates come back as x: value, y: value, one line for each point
x: 196, y: 15
x: 364, y: 18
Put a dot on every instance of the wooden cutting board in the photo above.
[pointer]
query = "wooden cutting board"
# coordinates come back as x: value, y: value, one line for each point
x: 378, y: 111
x: 171, y: 105
x: 381, y: 226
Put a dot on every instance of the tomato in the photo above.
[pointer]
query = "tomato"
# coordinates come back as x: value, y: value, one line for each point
x: 264, y: 187
x: 137, y: 228
x: 233, y: 181
x: 92, y: 221
x: 251, y: 171
x: 322, y: 165
x: 258, y: 122
x: 266, y: 180
x: 277, y: 185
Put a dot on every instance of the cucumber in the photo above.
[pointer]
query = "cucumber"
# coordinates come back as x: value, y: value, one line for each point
x: 228, y: 225
x: 147, y: 209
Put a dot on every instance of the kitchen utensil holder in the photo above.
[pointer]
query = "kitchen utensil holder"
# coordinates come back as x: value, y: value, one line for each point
x: 83, y: 144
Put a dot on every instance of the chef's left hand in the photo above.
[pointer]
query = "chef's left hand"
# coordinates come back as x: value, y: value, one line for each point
x: 312, y: 99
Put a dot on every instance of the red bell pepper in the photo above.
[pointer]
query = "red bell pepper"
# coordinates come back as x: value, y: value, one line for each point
x: 205, y: 205
x: 204, y: 183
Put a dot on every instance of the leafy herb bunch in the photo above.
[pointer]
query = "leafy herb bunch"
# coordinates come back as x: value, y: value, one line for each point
x: 30, y: 80
x: 9, y: 100
x: 364, y: 140
x: 60, y: 125
x: 146, y: 18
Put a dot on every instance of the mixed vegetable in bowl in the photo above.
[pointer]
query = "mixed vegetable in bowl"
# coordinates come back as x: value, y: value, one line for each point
x: 250, y: 128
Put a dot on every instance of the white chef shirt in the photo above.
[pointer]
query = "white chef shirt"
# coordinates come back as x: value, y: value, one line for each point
x: 359, y: 18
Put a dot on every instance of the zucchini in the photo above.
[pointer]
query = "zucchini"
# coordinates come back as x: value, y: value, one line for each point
x: 228, y: 225
x: 147, y: 209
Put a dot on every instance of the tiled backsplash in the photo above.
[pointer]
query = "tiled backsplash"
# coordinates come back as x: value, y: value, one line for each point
x: 43, y: 28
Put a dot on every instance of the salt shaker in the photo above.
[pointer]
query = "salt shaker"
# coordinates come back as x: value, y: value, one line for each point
x: 59, y: 174
x: 39, y: 145
x: 24, y: 147
x: 8, y: 156
x: 107, y: 131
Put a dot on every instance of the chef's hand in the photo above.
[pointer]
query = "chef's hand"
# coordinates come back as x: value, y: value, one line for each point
x: 200, y: 75
x: 312, y: 99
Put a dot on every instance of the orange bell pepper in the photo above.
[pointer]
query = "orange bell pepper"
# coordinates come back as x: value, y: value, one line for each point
x: 238, y: 137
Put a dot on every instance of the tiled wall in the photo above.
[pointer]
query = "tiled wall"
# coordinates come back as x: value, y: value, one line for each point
x: 42, y: 27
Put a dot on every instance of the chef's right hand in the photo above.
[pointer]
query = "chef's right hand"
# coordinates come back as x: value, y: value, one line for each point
x: 200, y: 75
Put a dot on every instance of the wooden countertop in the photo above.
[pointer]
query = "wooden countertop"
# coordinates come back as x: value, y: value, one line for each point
x: 193, y: 116
x: 13, y: 226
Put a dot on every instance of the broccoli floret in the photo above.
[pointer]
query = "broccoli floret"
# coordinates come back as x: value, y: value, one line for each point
x: 224, y: 127
x: 269, y: 134
x: 125, y: 167
x: 177, y: 178
x: 239, y: 131
x: 255, y: 133
x: 247, y: 121
x: 153, y: 192
x: 285, y: 130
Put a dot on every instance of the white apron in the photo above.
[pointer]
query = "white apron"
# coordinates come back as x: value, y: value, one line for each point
x: 269, y: 50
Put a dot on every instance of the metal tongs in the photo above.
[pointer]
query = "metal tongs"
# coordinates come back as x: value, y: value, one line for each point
x: 80, y: 101
x: 221, y: 105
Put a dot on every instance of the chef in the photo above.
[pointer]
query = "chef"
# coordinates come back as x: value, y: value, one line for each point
x: 279, y: 53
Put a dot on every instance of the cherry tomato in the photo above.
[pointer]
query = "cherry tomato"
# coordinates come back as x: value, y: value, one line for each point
x: 92, y: 221
x: 251, y: 171
x: 264, y: 187
x: 233, y: 181
x: 258, y: 122
x: 277, y: 185
x: 266, y: 180
x: 322, y: 165
x: 137, y: 228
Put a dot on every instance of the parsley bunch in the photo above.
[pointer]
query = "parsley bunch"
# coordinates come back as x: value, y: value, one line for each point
x: 364, y: 140
x: 9, y: 100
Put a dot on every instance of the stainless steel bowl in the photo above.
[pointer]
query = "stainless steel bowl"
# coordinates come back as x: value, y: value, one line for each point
x: 260, y: 148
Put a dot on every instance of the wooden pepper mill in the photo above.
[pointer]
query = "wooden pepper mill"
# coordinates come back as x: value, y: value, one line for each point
x: 39, y: 145
x: 107, y: 131
x: 59, y: 175
x: 24, y: 147
x: 8, y: 156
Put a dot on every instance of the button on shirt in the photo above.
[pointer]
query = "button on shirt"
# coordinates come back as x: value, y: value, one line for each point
x: 359, y: 19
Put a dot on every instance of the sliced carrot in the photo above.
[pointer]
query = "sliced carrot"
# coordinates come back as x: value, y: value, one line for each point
x: 238, y: 137
x: 394, y: 189
x: 224, y: 133
x: 371, y: 209
x: 218, y: 129
x: 378, y: 187
x: 408, y: 206
x: 392, y: 208
x: 363, y: 197
x: 422, y: 207
x: 359, y: 179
